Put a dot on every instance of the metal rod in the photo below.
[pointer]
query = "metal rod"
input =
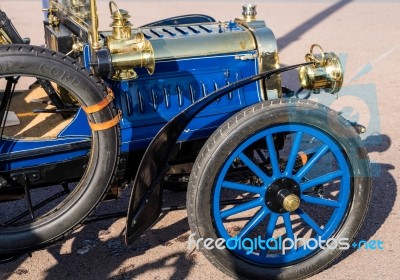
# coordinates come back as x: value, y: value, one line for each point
x: 58, y: 111
x: 28, y: 197
x: 52, y: 94
x: 5, y: 102
x: 165, y: 209
x: 36, y: 207
x: 235, y: 201
x: 95, y: 25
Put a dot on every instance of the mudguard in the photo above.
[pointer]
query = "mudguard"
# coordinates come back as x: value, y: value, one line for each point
x: 146, y: 198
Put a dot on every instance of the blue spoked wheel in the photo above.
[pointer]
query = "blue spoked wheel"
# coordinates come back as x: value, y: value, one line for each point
x: 285, y: 184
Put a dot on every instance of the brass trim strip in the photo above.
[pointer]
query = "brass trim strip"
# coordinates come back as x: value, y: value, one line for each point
x: 268, y: 58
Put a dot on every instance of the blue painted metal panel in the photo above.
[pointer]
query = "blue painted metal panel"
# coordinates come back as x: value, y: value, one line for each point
x: 149, y: 102
x: 78, y: 127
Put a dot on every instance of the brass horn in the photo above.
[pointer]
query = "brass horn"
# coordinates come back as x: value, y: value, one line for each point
x: 326, y: 72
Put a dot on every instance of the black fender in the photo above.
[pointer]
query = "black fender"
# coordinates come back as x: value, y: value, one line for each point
x: 185, y: 19
x: 146, y: 198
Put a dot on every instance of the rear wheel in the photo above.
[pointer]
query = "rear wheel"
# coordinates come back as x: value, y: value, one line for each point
x: 53, y: 169
x: 281, y: 173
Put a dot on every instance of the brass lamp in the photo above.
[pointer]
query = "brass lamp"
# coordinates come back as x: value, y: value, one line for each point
x: 326, y: 72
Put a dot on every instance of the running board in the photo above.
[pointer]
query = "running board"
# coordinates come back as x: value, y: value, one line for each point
x: 45, y: 151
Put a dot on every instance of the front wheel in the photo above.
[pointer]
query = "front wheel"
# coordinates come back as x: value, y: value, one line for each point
x: 285, y: 186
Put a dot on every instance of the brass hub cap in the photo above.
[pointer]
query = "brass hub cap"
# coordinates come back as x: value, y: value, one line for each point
x: 291, y: 202
x: 283, y: 195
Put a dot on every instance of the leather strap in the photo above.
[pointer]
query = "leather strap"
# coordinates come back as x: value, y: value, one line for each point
x: 106, y: 125
x: 101, y: 105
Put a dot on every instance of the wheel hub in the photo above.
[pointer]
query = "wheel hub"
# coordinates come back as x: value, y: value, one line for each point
x: 283, y: 195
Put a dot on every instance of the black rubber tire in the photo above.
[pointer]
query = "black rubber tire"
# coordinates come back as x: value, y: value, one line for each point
x: 88, y: 90
x: 233, y: 132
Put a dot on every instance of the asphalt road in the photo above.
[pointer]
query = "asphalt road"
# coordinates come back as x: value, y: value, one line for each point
x: 366, y: 33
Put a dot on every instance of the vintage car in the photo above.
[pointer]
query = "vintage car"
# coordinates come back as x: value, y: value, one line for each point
x: 188, y: 103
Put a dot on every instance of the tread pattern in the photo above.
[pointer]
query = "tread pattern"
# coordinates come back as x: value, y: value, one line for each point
x: 222, y: 132
x: 28, y: 50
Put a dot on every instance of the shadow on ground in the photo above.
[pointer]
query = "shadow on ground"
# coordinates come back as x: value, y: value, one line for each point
x: 97, y: 254
x: 383, y: 192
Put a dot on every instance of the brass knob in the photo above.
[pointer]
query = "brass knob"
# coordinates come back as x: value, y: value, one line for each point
x: 249, y: 12
x: 291, y: 202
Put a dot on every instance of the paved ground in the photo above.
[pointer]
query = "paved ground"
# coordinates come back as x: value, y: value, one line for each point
x: 367, y: 35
